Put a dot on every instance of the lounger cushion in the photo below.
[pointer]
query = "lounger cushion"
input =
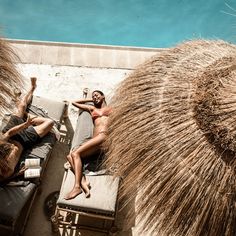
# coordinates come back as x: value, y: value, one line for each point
x: 42, y: 148
x: 13, y: 199
x: 52, y: 108
x: 104, y: 191
x: 84, y: 132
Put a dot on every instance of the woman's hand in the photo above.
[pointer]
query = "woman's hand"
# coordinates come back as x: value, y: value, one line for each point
x: 85, y: 92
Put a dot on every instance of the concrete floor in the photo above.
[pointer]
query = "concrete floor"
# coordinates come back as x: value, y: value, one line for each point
x: 38, y: 223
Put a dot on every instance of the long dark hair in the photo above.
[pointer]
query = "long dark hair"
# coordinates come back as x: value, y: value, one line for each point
x: 98, y: 91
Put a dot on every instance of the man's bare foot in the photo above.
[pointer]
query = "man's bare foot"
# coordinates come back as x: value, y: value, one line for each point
x: 73, y: 193
x: 33, y: 82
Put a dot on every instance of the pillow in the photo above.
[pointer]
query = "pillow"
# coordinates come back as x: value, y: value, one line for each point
x: 47, y: 107
x: 84, y: 132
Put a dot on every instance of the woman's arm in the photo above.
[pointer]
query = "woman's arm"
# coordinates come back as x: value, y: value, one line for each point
x: 81, y: 104
x: 14, y: 130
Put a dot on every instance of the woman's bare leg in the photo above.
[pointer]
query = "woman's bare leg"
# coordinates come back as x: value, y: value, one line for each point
x: 83, y: 151
x: 85, y: 184
x: 70, y: 160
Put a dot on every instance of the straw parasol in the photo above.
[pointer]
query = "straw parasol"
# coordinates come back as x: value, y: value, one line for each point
x: 172, y: 138
x: 9, y: 77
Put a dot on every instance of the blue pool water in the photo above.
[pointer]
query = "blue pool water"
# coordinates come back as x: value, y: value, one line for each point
x: 145, y: 23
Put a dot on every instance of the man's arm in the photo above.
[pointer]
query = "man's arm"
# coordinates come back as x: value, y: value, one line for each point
x: 14, y: 130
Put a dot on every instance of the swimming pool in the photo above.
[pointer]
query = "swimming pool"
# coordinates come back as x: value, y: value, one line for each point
x: 152, y: 23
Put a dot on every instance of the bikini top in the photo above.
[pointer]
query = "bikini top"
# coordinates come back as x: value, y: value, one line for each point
x: 99, y: 113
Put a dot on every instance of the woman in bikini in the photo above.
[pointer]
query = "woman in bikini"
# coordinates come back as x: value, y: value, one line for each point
x: 99, y: 112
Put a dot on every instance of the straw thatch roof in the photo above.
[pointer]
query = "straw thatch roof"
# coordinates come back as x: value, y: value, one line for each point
x: 9, y: 77
x: 172, y: 139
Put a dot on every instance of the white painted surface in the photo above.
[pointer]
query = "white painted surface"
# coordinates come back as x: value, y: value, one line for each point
x: 67, y: 82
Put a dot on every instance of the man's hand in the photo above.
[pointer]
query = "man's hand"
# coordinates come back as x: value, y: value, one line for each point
x: 14, y: 130
x: 29, y: 121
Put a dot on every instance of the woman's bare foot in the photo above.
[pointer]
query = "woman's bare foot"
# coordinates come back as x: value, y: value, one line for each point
x: 33, y: 82
x: 73, y: 193
x: 86, y: 190
x: 86, y: 187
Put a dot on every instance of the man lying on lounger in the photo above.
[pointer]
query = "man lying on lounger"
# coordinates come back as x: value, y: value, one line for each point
x: 22, y: 131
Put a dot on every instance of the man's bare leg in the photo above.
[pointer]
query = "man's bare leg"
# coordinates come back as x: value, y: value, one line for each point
x: 42, y: 125
x: 29, y: 95
x: 22, y: 106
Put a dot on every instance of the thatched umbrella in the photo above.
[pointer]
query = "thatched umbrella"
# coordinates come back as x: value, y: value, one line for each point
x: 172, y: 137
x: 10, y: 79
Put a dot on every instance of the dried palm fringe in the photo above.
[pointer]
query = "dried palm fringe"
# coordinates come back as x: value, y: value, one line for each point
x: 215, y: 106
x: 9, y: 76
x: 172, y: 137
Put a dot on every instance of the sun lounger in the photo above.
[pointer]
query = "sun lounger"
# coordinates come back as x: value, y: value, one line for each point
x: 17, y: 196
x: 99, y: 211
